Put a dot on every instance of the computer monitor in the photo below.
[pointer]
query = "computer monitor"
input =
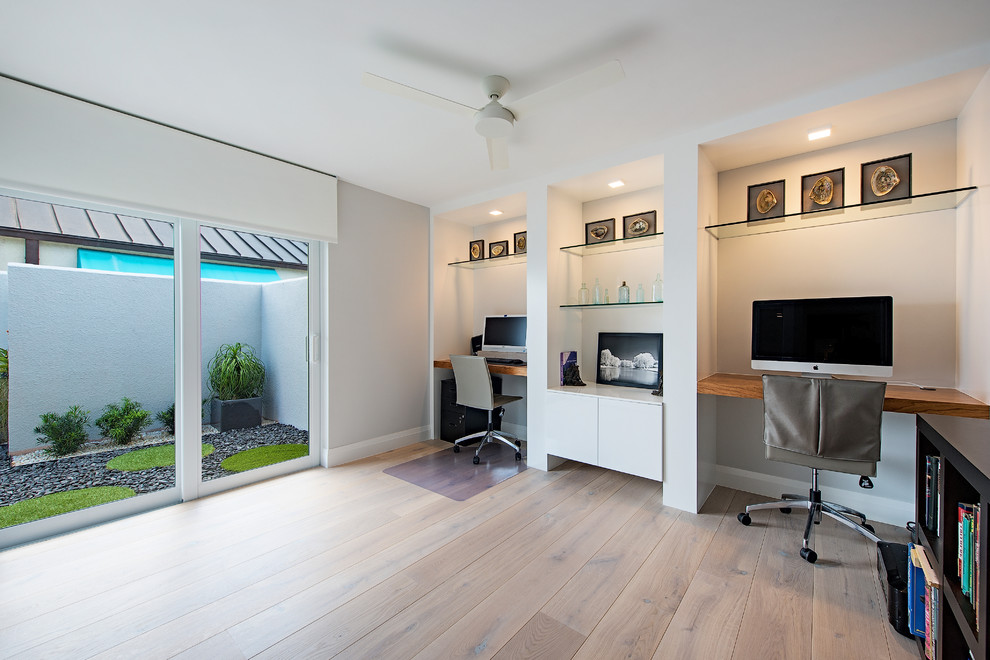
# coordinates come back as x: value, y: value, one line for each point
x: 848, y: 336
x: 505, y: 333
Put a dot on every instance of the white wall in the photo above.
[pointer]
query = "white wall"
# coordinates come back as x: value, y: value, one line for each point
x: 284, y: 323
x: 973, y: 245
x: 379, y: 325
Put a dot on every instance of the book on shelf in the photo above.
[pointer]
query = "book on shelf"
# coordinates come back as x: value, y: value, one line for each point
x: 933, y: 469
x: 933, y: 586
x: 968, y: 552
x: 916, y: 593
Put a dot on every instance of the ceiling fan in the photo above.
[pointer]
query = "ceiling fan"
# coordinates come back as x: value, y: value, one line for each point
x: 494, y: 120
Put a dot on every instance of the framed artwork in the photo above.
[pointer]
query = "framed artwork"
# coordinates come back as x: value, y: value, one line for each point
x: 630, y: 359
x: 641, y: 224
x: 822, y: 191
x: 498, y: 249
x: 886, y: 179
x: 519, y: 242
x: 765, y: 201
x: 477, y: 250
x: 598, y: 232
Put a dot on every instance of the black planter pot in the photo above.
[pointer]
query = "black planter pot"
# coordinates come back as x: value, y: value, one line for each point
x: 236, y: 413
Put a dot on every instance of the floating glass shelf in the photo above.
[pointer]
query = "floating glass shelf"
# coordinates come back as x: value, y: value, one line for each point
x: 490, y: 262
x: 617, y: 245
x: 603, y: 305
x: 936, y: 201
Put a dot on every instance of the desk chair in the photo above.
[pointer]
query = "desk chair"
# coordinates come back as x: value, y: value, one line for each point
x: 474, y: 390
x: 823, y: 424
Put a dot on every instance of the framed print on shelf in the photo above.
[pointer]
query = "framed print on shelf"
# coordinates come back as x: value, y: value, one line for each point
x: 630, y: 359
x: 640, y: 224
x: 822, y: 191
x: 765, y: 201
x: 477, y: 250
x: 498, y: 249
x: 598, y: 232
x: 519, y: 242
x: 886, y: 179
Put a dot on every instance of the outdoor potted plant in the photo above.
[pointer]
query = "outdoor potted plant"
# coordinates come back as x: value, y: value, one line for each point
x: 237, y: 380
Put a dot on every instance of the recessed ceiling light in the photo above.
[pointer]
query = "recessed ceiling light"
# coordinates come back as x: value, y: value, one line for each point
x: 494, y: 212
x: 819, y: 133
x: 618, y: 183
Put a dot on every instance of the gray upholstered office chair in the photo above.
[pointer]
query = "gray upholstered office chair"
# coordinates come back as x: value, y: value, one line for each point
x: 474, y: 390
x: 823, y: 424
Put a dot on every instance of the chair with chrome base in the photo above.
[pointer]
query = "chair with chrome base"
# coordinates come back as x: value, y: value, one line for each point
x: 824, y: 424
x: 474, y: 390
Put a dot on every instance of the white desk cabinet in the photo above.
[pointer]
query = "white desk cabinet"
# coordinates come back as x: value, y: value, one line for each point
x: 601, y: 427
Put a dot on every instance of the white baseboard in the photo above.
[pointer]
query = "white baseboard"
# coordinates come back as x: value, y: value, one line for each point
x: 881, y: 509
x: 373, y: 446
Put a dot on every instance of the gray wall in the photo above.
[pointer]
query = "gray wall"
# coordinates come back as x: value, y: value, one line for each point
x: 379, y: 317
x: 283, y: 340
x: 88, y: 338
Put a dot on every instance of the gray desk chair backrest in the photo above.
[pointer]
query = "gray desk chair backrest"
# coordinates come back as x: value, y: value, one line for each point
x: 828, y: 424
x: 474, y: 382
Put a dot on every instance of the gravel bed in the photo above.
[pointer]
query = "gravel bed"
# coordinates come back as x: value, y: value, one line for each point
x: 22, y: 482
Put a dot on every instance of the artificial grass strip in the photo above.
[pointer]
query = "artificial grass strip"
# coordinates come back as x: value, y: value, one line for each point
x: 261, y: 456
x: 52, y: 505
x: 149, y: 457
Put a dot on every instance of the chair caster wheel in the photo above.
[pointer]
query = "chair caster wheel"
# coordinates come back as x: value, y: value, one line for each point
x: 809, y: 555
x: 785, y: 509
x: 457, y: 449
x: 475, y: 460
x: 869, y: 527
x: 518, y: 456
x: 744, y: 519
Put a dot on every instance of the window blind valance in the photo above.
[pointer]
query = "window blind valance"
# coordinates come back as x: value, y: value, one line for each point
x: 55, y: 145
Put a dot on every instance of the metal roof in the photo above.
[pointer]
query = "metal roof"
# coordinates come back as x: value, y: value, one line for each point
x: 52, y: 222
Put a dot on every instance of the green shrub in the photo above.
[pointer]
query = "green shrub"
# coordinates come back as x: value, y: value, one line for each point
x: 122, y: 422
x: 235, y: 372
x: 63, y: 434
x: 167, y: 417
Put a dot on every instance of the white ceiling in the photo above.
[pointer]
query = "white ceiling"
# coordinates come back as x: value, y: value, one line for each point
x: 284, y: 78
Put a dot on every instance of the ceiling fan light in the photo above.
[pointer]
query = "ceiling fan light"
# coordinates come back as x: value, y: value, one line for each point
x: 494, y: 121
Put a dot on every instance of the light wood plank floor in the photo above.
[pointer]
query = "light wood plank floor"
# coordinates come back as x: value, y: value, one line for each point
x: 349, y: 562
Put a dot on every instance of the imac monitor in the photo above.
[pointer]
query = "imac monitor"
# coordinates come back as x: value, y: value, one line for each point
x: 849, y: 336
x: 505, y: 333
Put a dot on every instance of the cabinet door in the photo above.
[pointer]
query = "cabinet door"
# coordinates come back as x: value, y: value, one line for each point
x: 630, y: 437
x: 572, y: 427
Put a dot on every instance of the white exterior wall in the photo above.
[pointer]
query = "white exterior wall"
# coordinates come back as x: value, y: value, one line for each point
x: 284, y: 321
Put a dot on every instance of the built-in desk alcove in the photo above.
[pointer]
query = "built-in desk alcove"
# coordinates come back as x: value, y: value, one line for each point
x: 911, y: 249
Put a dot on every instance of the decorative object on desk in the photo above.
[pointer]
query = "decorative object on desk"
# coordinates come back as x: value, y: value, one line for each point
x: 477, y: 250
x: 886, y: 179
x: 597, y: 299
x: 519, y: 242
x: 822, y: 191
x: 640, y: 294
x: 584, y: 295
x: 630, y: 359
x: 498, y: 249
x: 765, y: 201
x: 623, y: 292
x: 597, y: 232
x: 640, y: 224
x: 570, y: 374
x: 658, y: 289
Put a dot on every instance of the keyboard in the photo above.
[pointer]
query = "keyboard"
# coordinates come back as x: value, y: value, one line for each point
x: 496, y: 360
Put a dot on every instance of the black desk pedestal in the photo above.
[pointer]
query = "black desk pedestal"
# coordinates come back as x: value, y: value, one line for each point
x: 457, y: 421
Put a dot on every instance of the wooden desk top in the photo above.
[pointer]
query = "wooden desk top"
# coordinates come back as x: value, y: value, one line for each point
x: 504, y: 369
x: 899, y: 398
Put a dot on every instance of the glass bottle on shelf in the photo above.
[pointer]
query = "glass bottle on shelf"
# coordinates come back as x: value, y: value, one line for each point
x: 658, y: 289
x: 606, y: 296
x: 584, y: 296
x: 640, y: 294
x: 623, y: 293
x: 598, y: 293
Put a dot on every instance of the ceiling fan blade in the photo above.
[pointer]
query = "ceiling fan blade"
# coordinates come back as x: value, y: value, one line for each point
x: 583, y: 83
x: 498, y: 153
x: 418, y: 95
